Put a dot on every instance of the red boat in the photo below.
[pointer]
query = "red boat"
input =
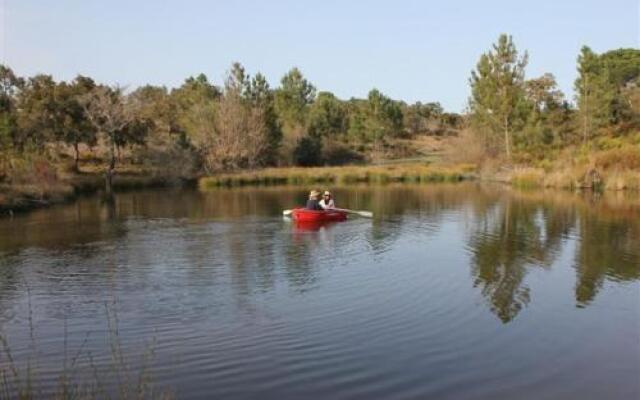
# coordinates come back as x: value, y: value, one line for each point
x: 304, y: 215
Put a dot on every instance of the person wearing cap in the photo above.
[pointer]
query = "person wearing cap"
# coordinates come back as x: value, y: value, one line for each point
x: 327, y: 201
x: 313, y: 203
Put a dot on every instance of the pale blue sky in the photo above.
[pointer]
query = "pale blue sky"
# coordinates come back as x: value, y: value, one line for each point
x: 410, y: 50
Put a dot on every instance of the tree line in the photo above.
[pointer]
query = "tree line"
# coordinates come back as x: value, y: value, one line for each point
x: 244, y: 123
x: 511, y: 115
x: 200, y: 127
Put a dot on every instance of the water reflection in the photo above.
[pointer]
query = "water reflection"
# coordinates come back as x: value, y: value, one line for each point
x: 508, y: 234
x: 222, y: 280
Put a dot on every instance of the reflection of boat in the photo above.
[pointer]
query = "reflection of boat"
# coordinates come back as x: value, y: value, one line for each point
x: 304, y: 215
x: 312, y: 226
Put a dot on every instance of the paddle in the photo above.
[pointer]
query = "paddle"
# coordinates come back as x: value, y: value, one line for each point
x: 365, y: 214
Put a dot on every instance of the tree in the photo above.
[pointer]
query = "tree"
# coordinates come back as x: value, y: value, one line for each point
x: 260, y: 96
x: 547, y: 115
x: 543, y: 93
x: 594, y: 93
x: 384, y: 116
x: 194, y: 105
x: 155, y: 104
x: 623, y: 72
x: 113, y: 117
x: 356, y: 111
x: 39, y: 118
x: 418, y: 117
x: 308, y: 151
x: 623, y: 65
x: 497, y: 92
x: 327, y: 117
x: 74, y: 127
x: 293, y: 97
x: 10, y: 85
x: 245, y: 131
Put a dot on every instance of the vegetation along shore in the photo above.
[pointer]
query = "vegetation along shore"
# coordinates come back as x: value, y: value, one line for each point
x: 59, y: 139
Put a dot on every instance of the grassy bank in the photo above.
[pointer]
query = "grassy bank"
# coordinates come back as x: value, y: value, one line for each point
x: 25, y: 196
x: 575, y: 179
x: 410, y: 173
x: 612, y: 169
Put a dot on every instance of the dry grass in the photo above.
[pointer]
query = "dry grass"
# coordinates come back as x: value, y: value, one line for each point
x: 622, y: 180
x: 465, y: 148
x: 627, y: 157
x: 528, y: 178
x: 414, y: 173
x: 576, y: 177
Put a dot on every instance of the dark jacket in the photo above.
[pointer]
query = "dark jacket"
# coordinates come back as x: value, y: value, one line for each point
x: 313, y: 205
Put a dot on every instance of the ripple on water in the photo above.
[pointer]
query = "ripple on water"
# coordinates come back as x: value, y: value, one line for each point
x: 427, y: 300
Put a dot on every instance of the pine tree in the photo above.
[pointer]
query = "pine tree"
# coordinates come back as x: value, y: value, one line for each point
x: 293, y: 98
x: 497, y: 92
x: 594, y: 93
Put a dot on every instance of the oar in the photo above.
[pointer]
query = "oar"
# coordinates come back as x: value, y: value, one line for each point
x: 366, y: 214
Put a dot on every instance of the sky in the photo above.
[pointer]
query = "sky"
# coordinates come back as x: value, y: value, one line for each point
x: 410, y: 50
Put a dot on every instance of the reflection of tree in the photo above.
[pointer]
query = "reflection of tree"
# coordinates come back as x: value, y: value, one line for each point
x: 62, y: 227
x: 10, y: 279
x: 236, y: 235
x: 508, y: 239
x: 251, y: 256
x: 606, y: 249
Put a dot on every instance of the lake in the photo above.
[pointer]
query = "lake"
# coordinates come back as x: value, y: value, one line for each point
x: 461, y: 291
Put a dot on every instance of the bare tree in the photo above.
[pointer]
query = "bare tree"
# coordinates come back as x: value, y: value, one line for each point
x: 240, y: 139
x: 108, y: 111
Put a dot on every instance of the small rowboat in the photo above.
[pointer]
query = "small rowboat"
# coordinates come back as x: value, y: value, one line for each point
x: 304, y: 215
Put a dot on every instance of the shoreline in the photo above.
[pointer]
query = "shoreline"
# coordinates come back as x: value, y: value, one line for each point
x: 24, y: 198
x: 391, y: 173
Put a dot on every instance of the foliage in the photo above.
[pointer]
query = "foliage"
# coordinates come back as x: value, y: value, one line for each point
x: 384, y: 116
x: 308, y: 151
x: 594, y: 92
x: 497, y: 94
x: 199, y: 127
x: 10, y: 85
x: 425, y: 118
x: 245, y: 132
x: 115, y: 118
x: 293, y: 98
x: 607, y: 91
x: 327, y: 117
x: 39, y: 118
x: 261, y: 97
x: 338, y: 153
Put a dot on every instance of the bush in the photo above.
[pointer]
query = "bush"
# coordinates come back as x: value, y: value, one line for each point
x: 466, y: 148
x: 335, y: 153
x: 621, y: 158
x: 308, y: 152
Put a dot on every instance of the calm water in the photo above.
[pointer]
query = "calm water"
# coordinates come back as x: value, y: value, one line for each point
x: 450, y: 292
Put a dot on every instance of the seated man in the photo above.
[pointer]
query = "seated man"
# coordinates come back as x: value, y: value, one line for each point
x: 313, y: 203
x: 327, y: 201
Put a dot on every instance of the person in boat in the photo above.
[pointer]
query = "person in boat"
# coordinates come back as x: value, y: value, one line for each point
x: 327, y: 201
x: 313, y: 203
